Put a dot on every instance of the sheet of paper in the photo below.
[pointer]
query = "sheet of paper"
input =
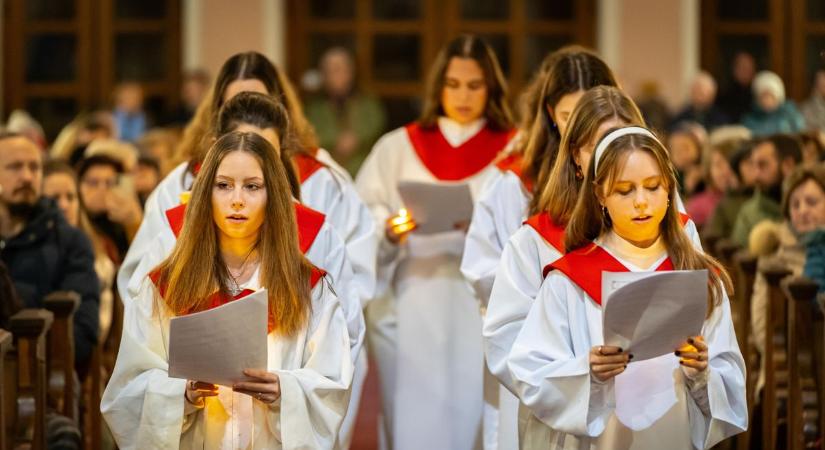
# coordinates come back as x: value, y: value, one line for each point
x: 216, y: 345
x: 650, y: 314
x: 437, y: 208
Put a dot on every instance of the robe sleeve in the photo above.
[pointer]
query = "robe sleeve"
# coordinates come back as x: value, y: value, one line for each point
x: 329, y: 253
x: 376, y: 184
x: 497, y: 214
x: 518, y: 278
x: 336, y: 197
x: 724, y: 391
x: 314, y: 397
x: 166, y: 195
x: 143, y: 407
x: 550, y: 364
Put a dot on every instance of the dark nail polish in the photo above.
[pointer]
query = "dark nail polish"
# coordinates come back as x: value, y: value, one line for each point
x: 690, y: 341
x: 682, y: 363
x: 620, y: 350
x: 677, y: 353
x: 631, y: 356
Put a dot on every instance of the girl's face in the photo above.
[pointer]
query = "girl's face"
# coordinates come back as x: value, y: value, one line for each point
x: 62, y: 188
x: 807, y: 207
x: 721, y: 174
x: 269, y: 134
x: 249, y: 85
x: 583, y: 155
x: 561, y: 111
x: 464, y: 95
x: 638, y: 201
x: 239, y: 196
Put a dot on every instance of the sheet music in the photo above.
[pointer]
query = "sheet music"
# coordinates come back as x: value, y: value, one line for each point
x: 437, y: 208
x: 215, y: 346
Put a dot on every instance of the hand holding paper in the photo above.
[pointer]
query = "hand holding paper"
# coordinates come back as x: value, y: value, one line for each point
x: 215, y: 346
x: 437, y: 208
x: 651, y: 314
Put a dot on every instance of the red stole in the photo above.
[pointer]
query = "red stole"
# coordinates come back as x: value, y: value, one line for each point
x: 513, y: 163
x: 448, y: 163
x: 309, y: 222
x: 306, y: 165
x: 548, y: 230
x: 584, y: 266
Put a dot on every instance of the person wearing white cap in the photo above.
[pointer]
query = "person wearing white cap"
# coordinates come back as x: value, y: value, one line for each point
x: 771, y: 112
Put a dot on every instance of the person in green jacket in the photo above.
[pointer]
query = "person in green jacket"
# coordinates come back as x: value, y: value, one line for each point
x: 347, y: 121
x: 774, y: 158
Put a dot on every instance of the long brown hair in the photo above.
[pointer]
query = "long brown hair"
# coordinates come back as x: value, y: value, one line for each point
x: 195, y: 269
x: 598, y: 105
x: 242, y: 66
x: 588, y: 221
x: 566, y: 71
x: 497, y: 111
x: 264, y: 112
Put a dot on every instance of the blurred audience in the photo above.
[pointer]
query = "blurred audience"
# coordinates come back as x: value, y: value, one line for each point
x: 772, y: 113
x: 653, y: 107
x: 813, y: 109
x: 130, y: 118
x: 701, y: 107
x: 685, y: 145
x: 347, y: 121
x: 737, y: 97
x: 194, y: 86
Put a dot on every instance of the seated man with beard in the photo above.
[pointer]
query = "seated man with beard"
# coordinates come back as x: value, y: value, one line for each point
x: 42, y: 252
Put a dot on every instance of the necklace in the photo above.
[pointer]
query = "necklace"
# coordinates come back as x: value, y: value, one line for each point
x: 233, y: 285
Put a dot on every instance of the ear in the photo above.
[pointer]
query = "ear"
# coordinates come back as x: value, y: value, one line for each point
x: 550, y: 113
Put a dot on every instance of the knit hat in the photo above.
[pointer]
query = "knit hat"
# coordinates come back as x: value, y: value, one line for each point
x: 770, y: 82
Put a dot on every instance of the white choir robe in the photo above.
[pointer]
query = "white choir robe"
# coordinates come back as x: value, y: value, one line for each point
x: 651, y: 402
x: 437, y: 394
x: 146, y: 409
x: 499, y: 212
x: 327, y: 190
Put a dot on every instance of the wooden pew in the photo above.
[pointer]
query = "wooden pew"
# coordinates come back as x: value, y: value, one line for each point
x: 26, y: 424
x: 775, y: 356
x: 803, y: 420
x: 744, y: 277
x: 60, y: 361
x: 5, y: 346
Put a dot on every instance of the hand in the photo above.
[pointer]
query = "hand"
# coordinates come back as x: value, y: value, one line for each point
x: 123, y: 207
x: 462, y: 226
x: 693, y: 356
x: 265, y: 388
x: 608, y: 361
x: 397, y: 227
x: 197, y: 390
x: 347, y: 143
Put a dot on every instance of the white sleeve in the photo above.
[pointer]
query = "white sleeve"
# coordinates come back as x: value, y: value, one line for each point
x: 143, y: 407
x: 498, y: 213
x: 337, y: 199
x: 329, y: 254
x: 550, y: 362
x: 314, y: 397
x: 517, y: 282
x: 376, y: 181
x: 722, y: 389
x: 165, y: 196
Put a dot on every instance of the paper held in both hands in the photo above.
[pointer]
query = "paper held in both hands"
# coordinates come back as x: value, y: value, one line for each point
x: 651, y: 314
x: 216, y: 345
x: 437, y: 208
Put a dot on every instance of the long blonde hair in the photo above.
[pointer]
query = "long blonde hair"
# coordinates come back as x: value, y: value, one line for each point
x: 597, y: 106
x: 588, y: 221
x: 242, y: 66
x: 195, y: 270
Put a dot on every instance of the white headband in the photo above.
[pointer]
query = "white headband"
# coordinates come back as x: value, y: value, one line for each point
x: 607, y: 140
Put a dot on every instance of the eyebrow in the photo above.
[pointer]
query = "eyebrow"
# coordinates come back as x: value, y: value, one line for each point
x: 226, y: 177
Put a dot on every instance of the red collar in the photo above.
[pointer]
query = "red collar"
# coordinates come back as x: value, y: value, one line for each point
x: 549, y: 231
x: 306, y: 165
x: 513, y: 163
x: 221, y: 298
x: 584, y: 267
x: 448, y: 163
x: 309, y: 221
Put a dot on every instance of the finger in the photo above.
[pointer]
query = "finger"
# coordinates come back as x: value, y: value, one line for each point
x: 262, y: 396
x: 206, y: 393
x: 608, y: 350
x: 257, y: 387
x: 622, y: 358
x: 694, y: 364
x: 261, y: 374
x: 699, y: 343
x: 603, y: 368
x: 690, y: 355
x: 608, y: 375
x: 201, y: 385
